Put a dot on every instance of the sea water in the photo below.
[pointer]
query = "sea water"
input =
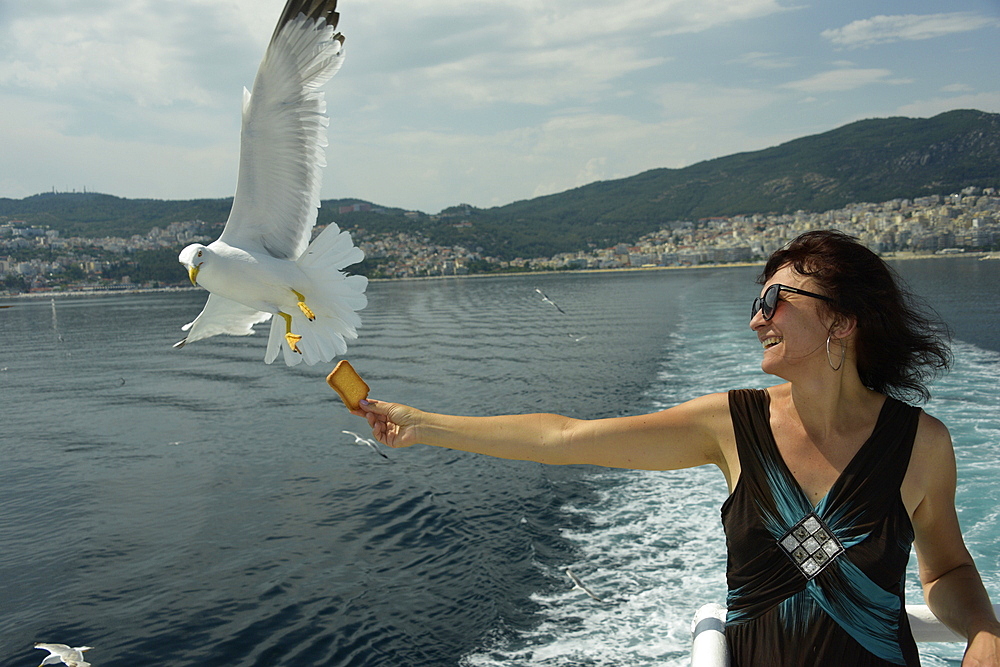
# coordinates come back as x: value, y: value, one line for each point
x: 197, y: 507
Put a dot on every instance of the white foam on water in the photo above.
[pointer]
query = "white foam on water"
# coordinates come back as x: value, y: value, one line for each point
x: 967, y: 400
x: 656, y: 550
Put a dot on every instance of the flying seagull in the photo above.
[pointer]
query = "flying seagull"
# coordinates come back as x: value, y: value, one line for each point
x: 548, y: 300
x: 263, y: 264
x: 577, y: 584
x: 358, y: 440
x: 72, y: 657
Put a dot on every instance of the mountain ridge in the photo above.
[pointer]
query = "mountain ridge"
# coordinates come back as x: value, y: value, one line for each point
x: 875, y: 159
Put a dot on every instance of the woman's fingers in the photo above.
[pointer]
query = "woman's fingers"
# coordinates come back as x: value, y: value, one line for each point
x: 378, y: 414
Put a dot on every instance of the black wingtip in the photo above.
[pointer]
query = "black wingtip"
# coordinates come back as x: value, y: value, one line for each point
x: 313, y: 9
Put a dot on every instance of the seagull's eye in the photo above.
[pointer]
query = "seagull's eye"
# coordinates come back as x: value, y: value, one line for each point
x: 199, y: 253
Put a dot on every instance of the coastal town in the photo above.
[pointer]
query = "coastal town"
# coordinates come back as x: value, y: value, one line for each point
x: 35, y: 259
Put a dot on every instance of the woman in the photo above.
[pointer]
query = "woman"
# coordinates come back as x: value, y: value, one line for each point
x: 832, y: 476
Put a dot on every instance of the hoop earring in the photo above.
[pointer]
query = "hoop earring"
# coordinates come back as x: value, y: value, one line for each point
x: 843, y: 353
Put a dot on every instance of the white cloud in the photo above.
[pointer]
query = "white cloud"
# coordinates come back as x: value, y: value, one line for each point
x: 39, y: 154
x: 538, y: 77
x: 476, y: 54
x: 139, y: 51
x: 957, y: 88
x: 765, y: 61
x: 840, y: 80
x: 529, y: 23
x: 887, y: 29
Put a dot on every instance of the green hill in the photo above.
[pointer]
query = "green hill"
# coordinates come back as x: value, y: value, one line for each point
x: 95, y: 215
x: 870, y: 160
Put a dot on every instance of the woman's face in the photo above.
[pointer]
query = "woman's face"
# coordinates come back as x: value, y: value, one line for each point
x: 794, y: 339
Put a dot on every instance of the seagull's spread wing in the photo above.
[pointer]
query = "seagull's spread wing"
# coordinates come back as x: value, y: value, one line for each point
x: 546, y: 299
x: 222, y: 316
x: 284, y: 133
x: 579, y: 584
x: 56, y: 652
x: 71, y: 656
x: 52, y: 648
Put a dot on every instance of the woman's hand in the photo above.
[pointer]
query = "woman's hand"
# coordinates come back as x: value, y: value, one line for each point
x: 392, y: 424
x: 983, y: 651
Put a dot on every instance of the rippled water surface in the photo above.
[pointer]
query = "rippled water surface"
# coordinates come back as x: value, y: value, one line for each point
x: 198, y: 507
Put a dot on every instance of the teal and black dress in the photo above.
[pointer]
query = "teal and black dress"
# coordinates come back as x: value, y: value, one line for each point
x: 823, y: 585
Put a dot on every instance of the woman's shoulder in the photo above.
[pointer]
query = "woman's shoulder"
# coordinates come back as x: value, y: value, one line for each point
x: 772, y: 393
x: 707, y: 404
x: 709, y: 412
x: 932, y: 467
x: 932, y: 435
x: 933, y: 456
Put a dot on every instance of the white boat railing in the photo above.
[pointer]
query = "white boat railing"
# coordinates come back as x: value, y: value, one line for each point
x: 708, y: 630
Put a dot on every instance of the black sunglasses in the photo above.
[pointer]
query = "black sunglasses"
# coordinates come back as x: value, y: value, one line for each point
x: 769, y: 301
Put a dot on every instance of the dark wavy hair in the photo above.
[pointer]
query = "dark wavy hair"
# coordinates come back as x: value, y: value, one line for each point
x: 901, y: 344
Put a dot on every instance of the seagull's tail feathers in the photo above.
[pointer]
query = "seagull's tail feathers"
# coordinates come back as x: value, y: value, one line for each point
x: 332, y: 248
x: 334, y: 298
x: 319, y: 341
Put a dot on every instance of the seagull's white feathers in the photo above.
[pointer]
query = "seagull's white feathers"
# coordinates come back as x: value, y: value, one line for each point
x: 334, y: 305
x: 283, y: 140
x: 69, y: 656
x: 222, y: 316
x: 263, y: 256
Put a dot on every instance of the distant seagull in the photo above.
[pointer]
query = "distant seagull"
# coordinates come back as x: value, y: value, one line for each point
x: 548, y: 300
x: 358, y: 440
x: 263, y: 264
x: 577, y: 584
x: 72, y: 657
x: 576, y: 339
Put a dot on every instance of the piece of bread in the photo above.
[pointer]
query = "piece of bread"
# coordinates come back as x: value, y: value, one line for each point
x: 346, y: 382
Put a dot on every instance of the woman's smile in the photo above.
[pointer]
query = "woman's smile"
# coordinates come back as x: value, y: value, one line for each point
x: 771, y: 341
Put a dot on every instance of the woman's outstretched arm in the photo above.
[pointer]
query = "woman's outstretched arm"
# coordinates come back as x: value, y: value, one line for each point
x: 691, y: 434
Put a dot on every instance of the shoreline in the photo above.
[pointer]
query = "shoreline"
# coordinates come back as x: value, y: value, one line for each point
x: 896, y: 255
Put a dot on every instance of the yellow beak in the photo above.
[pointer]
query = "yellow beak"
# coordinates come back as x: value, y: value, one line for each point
x: 193, y: 274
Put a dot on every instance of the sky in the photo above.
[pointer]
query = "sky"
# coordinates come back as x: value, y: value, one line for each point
x: 481, y: 102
